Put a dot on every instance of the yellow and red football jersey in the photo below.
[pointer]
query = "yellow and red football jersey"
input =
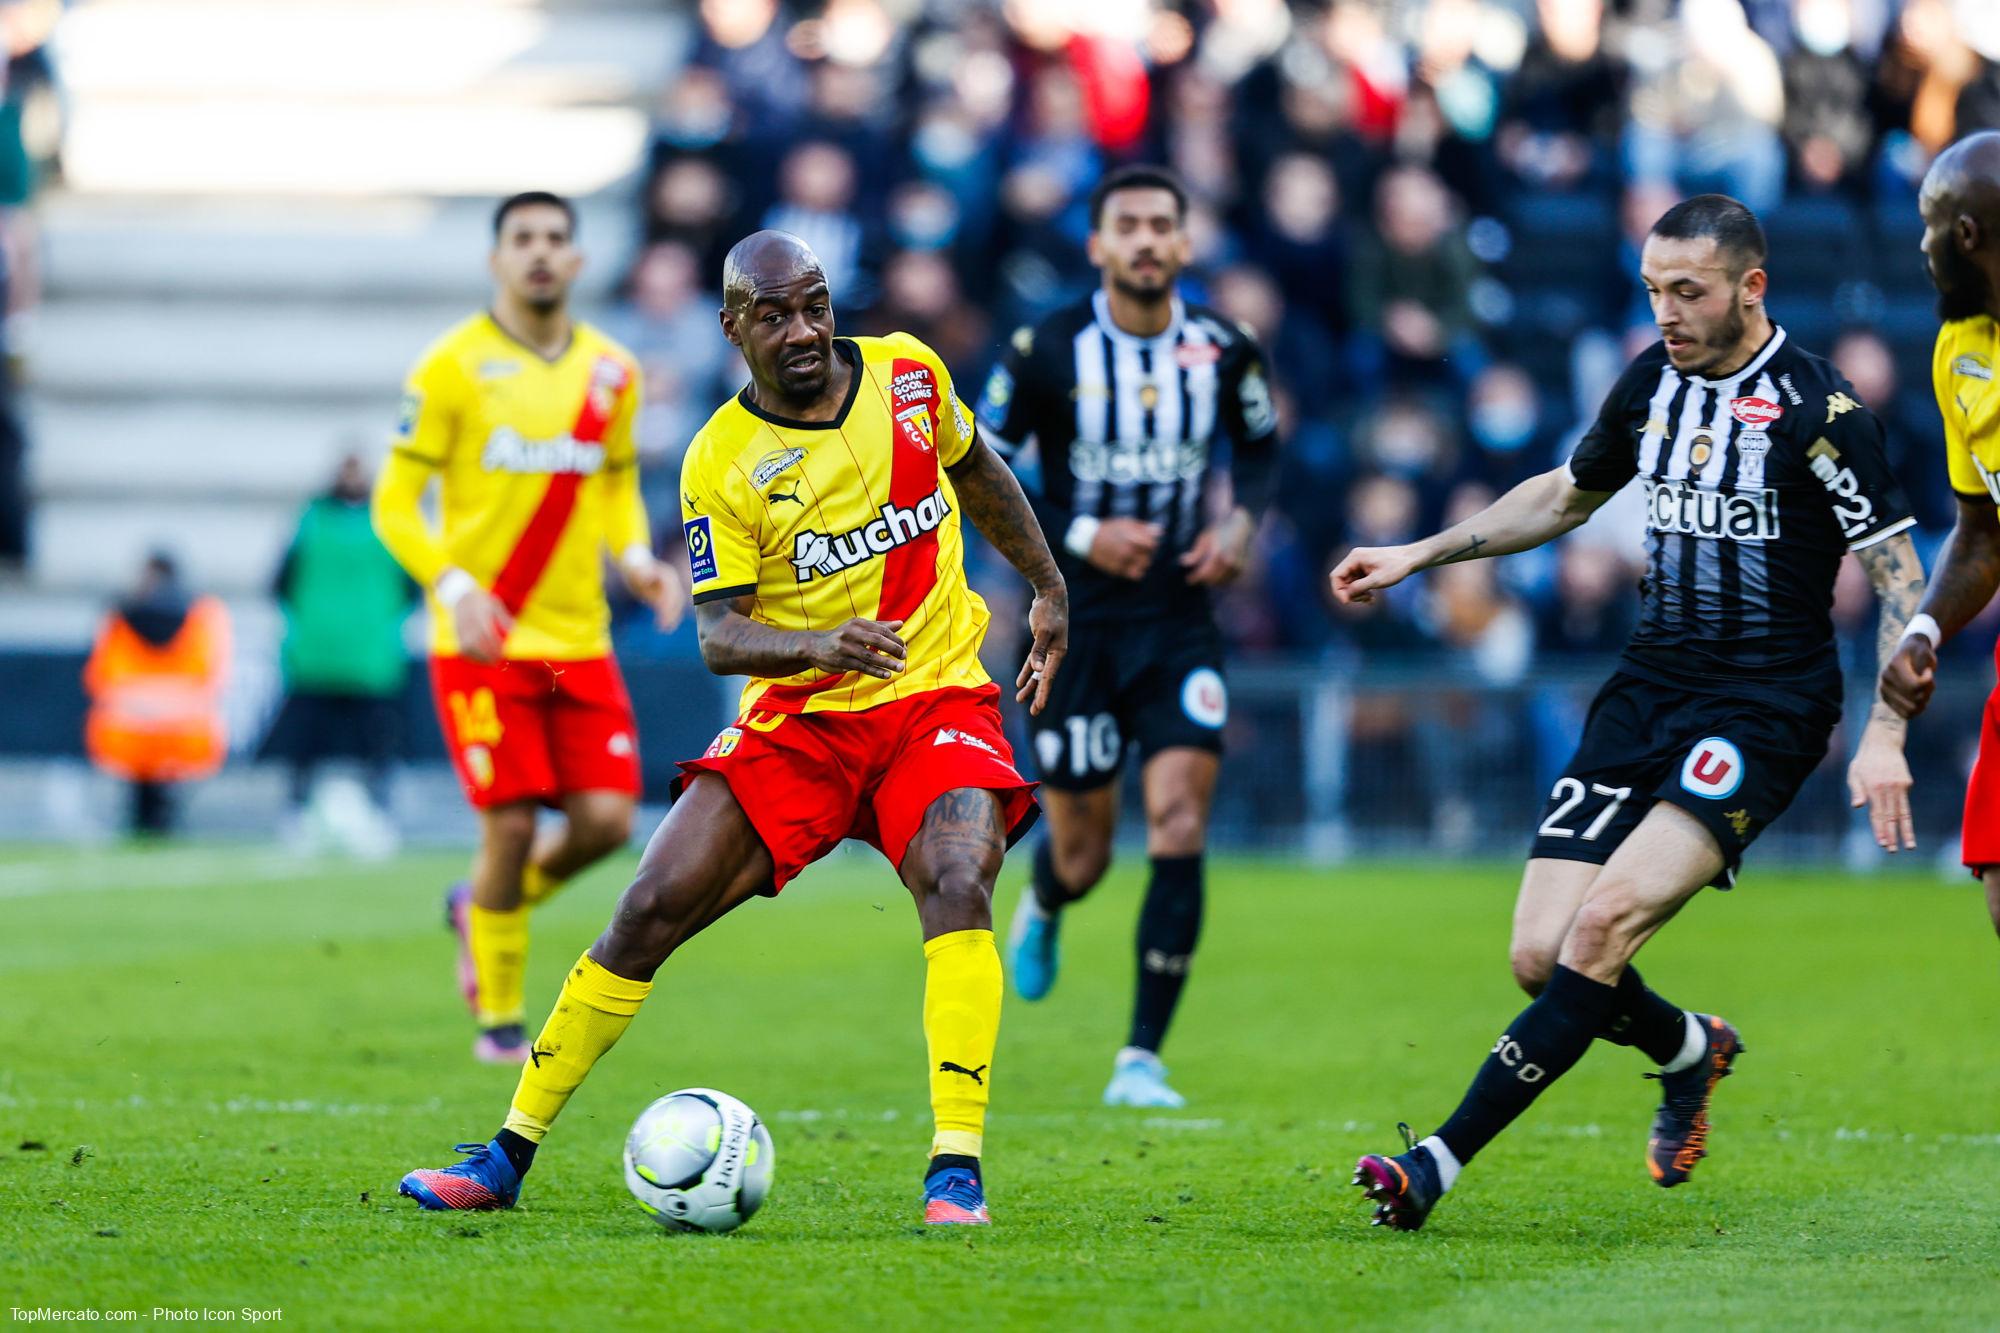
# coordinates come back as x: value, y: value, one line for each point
x: 539, y: 479
x: 1962, y: 369
x: 823, y: 521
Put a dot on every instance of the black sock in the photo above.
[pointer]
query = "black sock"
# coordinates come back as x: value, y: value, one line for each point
x: 1050, y: 892
x: 520, y: 1151
x: 946, y: 1160
x: 1538, y: 1048
x: 1169, y: 924
x: 1646, y: 1021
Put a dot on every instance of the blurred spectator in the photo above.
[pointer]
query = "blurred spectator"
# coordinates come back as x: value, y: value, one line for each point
x: 1560, y: 122
x: 1505, y: 424
x: 1410, y: 440
x: 1706, y: 105
x: 817, y: 187
x: 920, y: 295
x: 1301, y: 351
x: 1914, y: 436
x: 667, y: 318
x: 1299, y: 239
x: 1410, y: 283
x: 1593, y: 611
x: 689, y: 200
x: 742, y: 41
x: 155, y: 679
x: 1827, y: 124
x: 1381, y: 511
x: 344, y: 599
x: 1467, y: 610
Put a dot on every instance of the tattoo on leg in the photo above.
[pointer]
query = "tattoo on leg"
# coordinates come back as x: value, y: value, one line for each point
x: 963, y: 825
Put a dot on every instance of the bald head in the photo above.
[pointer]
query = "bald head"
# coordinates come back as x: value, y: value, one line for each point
x: 777, y: 309
x: 1960, y: 203
x: 763, y: 262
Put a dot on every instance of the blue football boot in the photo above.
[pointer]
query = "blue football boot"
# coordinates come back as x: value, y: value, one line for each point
x: 484, y: 1180
x: 953, y: 1197
x: 1032, y: 953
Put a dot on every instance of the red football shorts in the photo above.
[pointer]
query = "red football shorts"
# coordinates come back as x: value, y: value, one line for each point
x: 808, y: 780
x: 536, y: 731
x: 1980, y: 837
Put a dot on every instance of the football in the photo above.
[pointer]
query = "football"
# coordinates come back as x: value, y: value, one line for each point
x: 698, y: 1160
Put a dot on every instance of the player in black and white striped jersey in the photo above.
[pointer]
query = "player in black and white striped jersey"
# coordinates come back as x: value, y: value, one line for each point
x: 1761, y: 472
x: 1119, y: 411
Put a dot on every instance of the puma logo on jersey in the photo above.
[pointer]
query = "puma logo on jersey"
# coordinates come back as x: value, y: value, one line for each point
x: 817, y: 555
x: 506, y: 451
x: 1744, y: 516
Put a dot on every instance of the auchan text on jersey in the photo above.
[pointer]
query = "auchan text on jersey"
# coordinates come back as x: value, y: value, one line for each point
x: 815, y: 554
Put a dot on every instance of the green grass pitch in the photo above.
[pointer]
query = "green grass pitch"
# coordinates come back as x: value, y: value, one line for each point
x: 214, y: 1065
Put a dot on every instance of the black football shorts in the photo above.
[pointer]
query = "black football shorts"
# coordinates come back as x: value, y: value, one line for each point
x: 1154, y: 683
x: 1732, y: 763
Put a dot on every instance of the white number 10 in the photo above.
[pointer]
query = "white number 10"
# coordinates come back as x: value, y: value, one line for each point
x: 1552, y: 826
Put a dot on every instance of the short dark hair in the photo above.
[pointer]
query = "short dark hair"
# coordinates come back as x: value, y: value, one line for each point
x: 1138, y: 177
x: 1732, y: 226
x: 528, y: 199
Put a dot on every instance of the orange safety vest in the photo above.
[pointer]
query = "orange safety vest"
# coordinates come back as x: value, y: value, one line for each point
x: 156, y: 712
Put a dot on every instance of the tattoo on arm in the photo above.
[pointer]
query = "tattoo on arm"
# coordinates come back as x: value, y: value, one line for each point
x: 992, y: 497
x: 1897, y: 576
x: 1474, y: 544
x: 732, y: 644
x: 1968, y: 569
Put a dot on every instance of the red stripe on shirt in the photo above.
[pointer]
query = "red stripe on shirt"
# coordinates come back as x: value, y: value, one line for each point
x: 910, y: 571
x: 530, y: 557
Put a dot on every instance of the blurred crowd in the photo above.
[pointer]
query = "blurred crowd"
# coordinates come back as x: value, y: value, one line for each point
x: 1427, y: 210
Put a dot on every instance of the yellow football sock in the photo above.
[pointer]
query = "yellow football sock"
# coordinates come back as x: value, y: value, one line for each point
x: 589, y: 1017
x: 538, y: 885
x: 961, y: 1025
x: 499, y: 957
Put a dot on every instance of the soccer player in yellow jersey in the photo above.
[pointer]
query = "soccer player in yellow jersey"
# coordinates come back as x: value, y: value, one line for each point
x: 822, y: 517
x: 524, y: 417
x: 1961, y: 208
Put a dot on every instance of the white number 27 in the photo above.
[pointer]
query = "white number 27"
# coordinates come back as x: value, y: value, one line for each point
x: 1570, y: 793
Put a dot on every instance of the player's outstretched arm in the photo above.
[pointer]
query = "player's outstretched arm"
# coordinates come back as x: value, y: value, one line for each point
x: 732, y: 644
x: 993, y: 500
x: 1539, y: 509
x: 1879, y: 777
x: 1966, y: 577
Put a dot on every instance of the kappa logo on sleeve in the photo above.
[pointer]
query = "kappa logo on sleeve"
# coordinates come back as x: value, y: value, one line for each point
x: 701, y: 549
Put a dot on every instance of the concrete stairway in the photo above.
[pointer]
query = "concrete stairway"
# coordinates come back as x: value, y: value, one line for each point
x: 271, y: 208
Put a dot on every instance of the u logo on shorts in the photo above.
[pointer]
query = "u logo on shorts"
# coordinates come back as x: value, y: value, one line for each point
x: 1713, y: 769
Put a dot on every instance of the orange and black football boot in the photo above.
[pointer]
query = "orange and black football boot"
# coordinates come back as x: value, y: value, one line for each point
x: 1680, y: 1126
